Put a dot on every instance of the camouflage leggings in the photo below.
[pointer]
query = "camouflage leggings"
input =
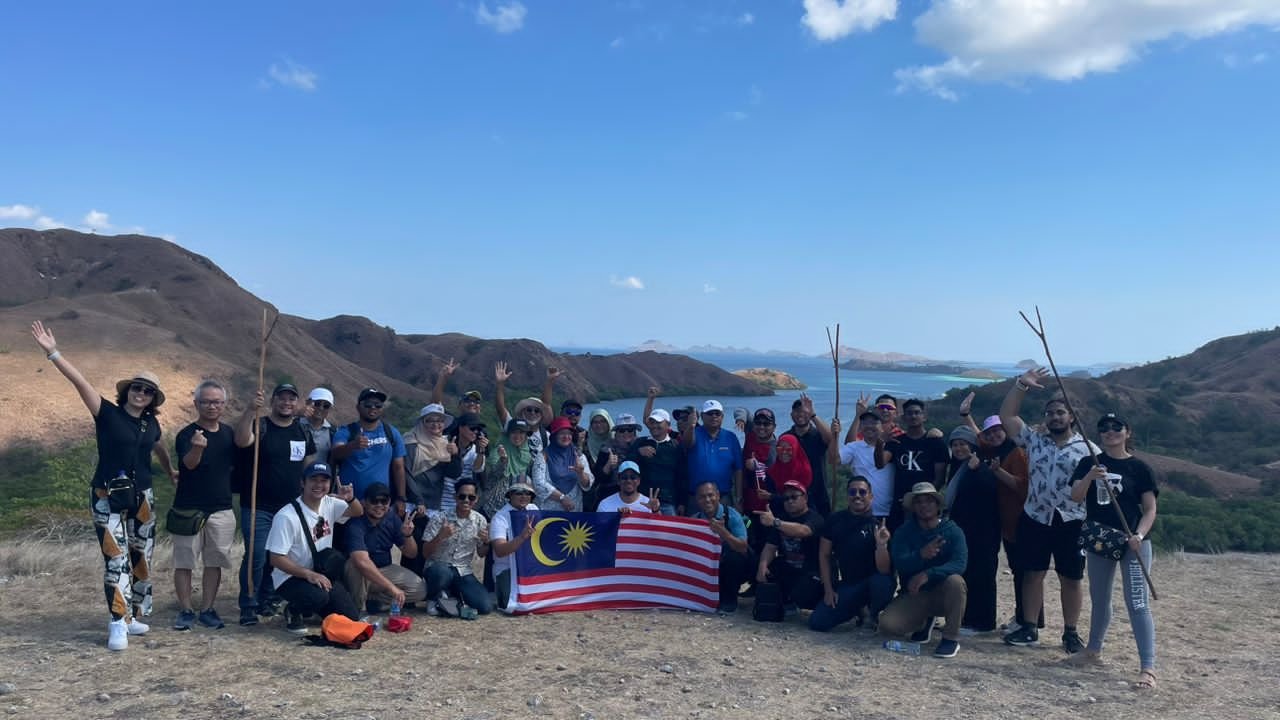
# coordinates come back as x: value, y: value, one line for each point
x: 126, y: 576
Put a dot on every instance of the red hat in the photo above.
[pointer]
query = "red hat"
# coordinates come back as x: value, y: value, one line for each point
x: 795, y: 485
x: 560, y: 423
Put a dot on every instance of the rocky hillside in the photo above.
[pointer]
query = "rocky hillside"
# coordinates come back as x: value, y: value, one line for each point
x: 770, y: 378
x: 118, y: 303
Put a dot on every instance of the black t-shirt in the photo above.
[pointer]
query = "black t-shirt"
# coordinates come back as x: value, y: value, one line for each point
x: 913, y: 460
x: 799, y: 553
x: 853, y: 541
x: 281, y: 455
x: 659, y: 472
x: 208, y: 486
x: 1137, y: 478
x: 816, y: 451
x: 124, y: 445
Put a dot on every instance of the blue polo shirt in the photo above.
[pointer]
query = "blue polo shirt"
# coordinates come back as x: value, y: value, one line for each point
x: 714, y: 459
x: 377, y: 540
x: 365, y: 467
x: 733, y: 521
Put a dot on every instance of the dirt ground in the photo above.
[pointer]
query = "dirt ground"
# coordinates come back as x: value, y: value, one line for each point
x: 1215, y: 619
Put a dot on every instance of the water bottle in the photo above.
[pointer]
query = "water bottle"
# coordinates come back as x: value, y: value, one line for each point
x: 395, y: 609
x: 1100, y: 491
x: 898, y: 646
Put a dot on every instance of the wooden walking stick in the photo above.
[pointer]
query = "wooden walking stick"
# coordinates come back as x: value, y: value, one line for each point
x: 257, y: 437
x: 835, y: 361
x: 1038, y: 329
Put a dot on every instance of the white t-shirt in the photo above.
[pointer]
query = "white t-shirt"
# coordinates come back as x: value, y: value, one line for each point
x: 286, y: 536
x: 500, y: 529
x: 614, y: 503
x: 861, y: 459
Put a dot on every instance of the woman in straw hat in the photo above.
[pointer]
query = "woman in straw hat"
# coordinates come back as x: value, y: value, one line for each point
x: 120, y: 496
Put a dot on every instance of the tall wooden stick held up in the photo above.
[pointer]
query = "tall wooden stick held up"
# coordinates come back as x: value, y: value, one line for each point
x: 1038, y: 328
x: 835, y: 361
x: 257, y: 437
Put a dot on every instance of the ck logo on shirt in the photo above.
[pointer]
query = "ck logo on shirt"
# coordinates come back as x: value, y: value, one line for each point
x: 908, y: 461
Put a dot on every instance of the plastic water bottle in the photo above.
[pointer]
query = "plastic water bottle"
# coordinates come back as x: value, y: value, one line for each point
x: 1103, y: 497
x: 898, y: 646
x: 395, y: 609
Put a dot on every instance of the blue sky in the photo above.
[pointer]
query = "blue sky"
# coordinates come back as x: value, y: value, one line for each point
x: 724, y: 172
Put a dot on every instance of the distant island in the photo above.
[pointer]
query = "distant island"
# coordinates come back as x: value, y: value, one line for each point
x: 772, y: 379
x: 926, y: 369
x: 846, y: 352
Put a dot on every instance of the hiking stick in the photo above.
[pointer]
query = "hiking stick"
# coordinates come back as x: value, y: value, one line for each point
x: 257, y: 436
x: 835, y: 362
x: 1038, y: 329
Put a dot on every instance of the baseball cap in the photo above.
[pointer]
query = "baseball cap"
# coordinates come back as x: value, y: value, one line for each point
x: 795, y: 485
x: 370, y: 392
x: 991, y: 422
x: 629, y: 465
x: 764, y: 413
x: 321, y: 394
x: 570, y: 404
x: 471, y: 420
x: 285, y: 387
x: 517, y: 425
x: 472, y: 396
x: 317, y: 469
x: 1112, y: 417
x: 660, y: 415
x: 711, y: 405
x: 377, y: 490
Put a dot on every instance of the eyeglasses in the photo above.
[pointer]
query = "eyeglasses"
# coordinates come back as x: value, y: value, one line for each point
x: 384, y: 500
x: 322, y: 404
x: 211, y: 403
x: 792, y: 497
x: 142, y: 389
x: 371, y: 404
x: 465, y: 497
x: 573, y: 413
x: 859, y: 492
x: 1110, y: 427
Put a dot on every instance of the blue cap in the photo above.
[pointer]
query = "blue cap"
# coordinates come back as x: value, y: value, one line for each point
x: 317, y: 469
x: 629, y: 465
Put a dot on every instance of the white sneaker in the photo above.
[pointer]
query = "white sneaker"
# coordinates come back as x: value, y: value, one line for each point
x: 137, y: 627
x: 117, y: 635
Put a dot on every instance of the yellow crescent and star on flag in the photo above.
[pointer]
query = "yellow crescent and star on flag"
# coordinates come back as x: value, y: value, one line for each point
x: 575, y: 539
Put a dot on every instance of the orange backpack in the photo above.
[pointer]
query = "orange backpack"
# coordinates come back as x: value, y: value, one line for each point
x: 342, y: 630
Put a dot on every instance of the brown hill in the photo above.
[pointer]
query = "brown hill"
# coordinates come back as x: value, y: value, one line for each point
x: 118, y: 303
x: 1213, y: 414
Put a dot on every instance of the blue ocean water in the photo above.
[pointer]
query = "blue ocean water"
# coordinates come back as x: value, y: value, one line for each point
x: 817, y: 373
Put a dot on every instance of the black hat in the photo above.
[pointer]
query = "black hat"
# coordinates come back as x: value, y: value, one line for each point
x: 471, y: 396
x: 516, y: 424
x: 377, y: 490
x: 470, y: 420
x: 569, y: 404
x: 1112, y: 417
x: 286, y: 387
x: 369, y: 392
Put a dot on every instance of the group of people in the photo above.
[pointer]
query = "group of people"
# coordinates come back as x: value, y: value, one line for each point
x: 327, y: 508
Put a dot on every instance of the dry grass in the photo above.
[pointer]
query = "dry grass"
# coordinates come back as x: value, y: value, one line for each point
x: 1213, y: 619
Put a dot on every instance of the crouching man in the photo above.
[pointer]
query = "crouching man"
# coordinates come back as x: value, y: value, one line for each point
x: 307, y: 570
x: 930, y: 555
x: 375, y: 581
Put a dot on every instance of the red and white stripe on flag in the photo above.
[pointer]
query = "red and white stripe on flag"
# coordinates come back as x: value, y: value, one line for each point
x: 661, y: 561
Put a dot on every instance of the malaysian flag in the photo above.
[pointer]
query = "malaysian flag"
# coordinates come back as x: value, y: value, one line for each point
x: 595, y: 561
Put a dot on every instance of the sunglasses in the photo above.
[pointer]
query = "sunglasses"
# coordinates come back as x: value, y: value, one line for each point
x: 792, y: 497
x: 1110, y: 427
x: 629, y: 476
x: 573, y: 413
x: 142, y: 389
x: 322, y: 404
x: 471, y: 401
x: 763, y: 422
x: 372, y: 404
x: 625, y: 430
x: 521, y: 492
x: 476, y: 428
x: 533, y: 410
x: 465, y: 498
x: 384, y: 500
x: 859, y: 492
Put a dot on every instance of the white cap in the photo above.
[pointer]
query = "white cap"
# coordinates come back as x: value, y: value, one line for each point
x: 710, y: 405
x: 321, y: 394
x: 660, y: 415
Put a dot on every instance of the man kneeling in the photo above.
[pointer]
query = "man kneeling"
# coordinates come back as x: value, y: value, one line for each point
x: 930, y: 555
x: 304, y: 574
x: 370, y: 575
x: 450, y: 542
x: 860, y: 545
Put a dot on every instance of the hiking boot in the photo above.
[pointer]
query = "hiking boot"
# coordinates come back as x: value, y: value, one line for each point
x: 296, y: 625
x: 946, y: 648
x: 186, y: 619
x: 117, y: 635
x: 137, y: 627
x: 209, y: 618
x: 448, y: 606
x: 1023, y: 637
x: 248, y: 617
x: 1071, y: 642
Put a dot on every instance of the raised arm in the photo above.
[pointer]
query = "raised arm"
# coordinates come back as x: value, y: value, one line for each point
x: 1012, y: 404
x: 44, y: 338
x: 501, y: 373
x: 966, y: 412
x: 437, y: 390
x: 548, y: 385
x: 650, y: 397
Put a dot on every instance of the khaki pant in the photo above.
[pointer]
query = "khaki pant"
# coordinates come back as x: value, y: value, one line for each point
x: 908, y: 613
x: 411, y: 584
x: 212, y: 544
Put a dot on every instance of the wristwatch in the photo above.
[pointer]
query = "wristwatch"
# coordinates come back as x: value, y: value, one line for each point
x: 777, y: 522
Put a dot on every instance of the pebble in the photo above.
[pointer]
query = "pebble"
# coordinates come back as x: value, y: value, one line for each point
x: 103, y: 697
x: 786, y: 691
x: 686, y: 689
x: 561, y: 666
x: 728, y: 661
x: 666, y: 668
x: 1091, y: 699
x: 7, y: 689
x: 535, y: 702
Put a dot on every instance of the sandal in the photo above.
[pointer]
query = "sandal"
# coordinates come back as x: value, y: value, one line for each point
x: 1085, y: 658
x: 1146, y: 681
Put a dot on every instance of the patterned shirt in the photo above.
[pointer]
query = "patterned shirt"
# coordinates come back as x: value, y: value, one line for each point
x: 459, y: 549
x: 1049, y: 489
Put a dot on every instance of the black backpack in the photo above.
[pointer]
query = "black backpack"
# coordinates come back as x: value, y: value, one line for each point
x: 768, y: 607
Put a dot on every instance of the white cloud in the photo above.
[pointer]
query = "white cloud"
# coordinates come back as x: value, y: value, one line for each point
x: 746, y: 18
x: 18, y: 212
x: 1234, y: 62
x: 617, y: 42
x: 833, y: 19
x: 44, y: 222
x: 507, y: 18
x: 98, y: 221
x: 1002, y: 40
x: 630, y: 282
x: 736, y: 115
x: 708, y: 288
x: 288, y: 73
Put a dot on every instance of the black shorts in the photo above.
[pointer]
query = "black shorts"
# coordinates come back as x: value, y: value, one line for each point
x: 1060, y: 541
